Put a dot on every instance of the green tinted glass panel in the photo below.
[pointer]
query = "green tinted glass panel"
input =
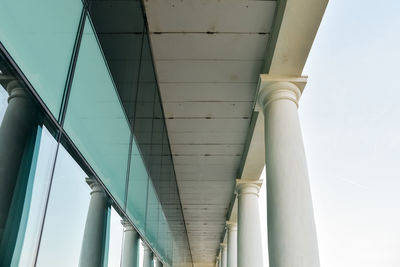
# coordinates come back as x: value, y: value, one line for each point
x: 40, y: 36
x: 137, y: 189
x: 66, y: 213
x: 35, y: 200
x: 164, y: 238
x: 152, y: 216
x: 95, y: 120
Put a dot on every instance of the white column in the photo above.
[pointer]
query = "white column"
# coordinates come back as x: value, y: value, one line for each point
x: 92, y: 251
x: 224, y: 256
x: 130, y: 249
x: 16, y: 128
x: 249, y: 247
x: 147, y: 256
x: 292, y: 237
x: 157, y: 262
x: 217, y: 262
x: 232, y: 243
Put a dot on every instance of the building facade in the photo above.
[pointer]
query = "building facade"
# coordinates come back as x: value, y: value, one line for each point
x: 126, y: 120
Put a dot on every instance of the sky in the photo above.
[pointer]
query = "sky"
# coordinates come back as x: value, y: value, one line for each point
x: 350, y: 118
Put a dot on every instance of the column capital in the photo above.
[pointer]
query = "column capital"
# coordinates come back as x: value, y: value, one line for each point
x: 231, y: 226
x: 244, y: 186
x: 15, y: 89
x: 94, y: 185
x: 272, y: 88
x: 146, y: 247
x: 127, y: 225
x: 222, y: 245
x: 5, y: 78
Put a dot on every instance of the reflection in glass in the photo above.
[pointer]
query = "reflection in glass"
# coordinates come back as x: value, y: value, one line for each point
x: 119, y: 26
x: 137, y: 189
x: 19, y: 146
x: 144, y: 116
x: 35, y: 201
x: 95, y: 119
x: 152, y: 216
x: 65, y: 216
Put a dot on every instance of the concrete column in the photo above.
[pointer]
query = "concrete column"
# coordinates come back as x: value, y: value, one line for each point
x: 157, y: 262
x: 249, y: 247
x: 232, y: 243
x: 130, y: 249
x: 224, y: 256
x: 292, y: 237
x: 92, y: 252
x: 16, y: 128
x: 147, y: 256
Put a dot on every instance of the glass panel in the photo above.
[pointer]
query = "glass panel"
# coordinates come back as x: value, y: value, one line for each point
x: 115, y: 240
x: 66, y: 214
x: 119, y: 26
x: 18, y: 200
x: 143, y: 125
x: 35, y: 201
x: 163, y: 234
x: 95, y: 120
x: 137, y: 189
x: 157, y: 144
x: 3, y: 102
x: 26, y: 158
x: 40, y: 36
x: 152, y: 216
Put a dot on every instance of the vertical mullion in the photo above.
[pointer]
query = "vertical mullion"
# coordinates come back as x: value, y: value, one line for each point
x: 72, y: 67
x: 131, y: 127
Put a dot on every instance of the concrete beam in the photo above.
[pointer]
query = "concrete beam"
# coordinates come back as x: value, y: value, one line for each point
x: 295, y: 26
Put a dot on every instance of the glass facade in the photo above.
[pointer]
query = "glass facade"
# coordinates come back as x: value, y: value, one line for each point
x: 69, y: 198
x: 79, y: 87
x: 95, y: 120
x: 40, y: 36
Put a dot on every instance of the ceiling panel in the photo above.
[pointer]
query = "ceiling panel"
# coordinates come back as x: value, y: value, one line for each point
x: 210, y: 16
x: 199, y: 125
x: 198, y: 71
x: 190, y: 46
x: 224, y: 161
x: 208, y: 138
x: 172, y: 92
x: 189, y: 150
x: 212, y: 172
x: 208, y: 109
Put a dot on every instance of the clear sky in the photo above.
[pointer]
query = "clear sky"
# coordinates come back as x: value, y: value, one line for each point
x: 350, y: 116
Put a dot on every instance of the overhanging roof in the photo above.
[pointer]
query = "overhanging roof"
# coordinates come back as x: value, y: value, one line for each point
x: 208, y: 56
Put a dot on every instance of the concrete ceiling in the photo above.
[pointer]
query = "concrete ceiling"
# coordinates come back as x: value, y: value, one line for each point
x: 208, y: 56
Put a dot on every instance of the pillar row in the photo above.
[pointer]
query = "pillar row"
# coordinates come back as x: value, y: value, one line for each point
x: 147, y: 256
x: 249, y: 247
x: 130, y: 249
x: 93, y: 244
x: 217, y: 262
x: 224, y: 255
x: 292, y: 237
x: 231, y: 228
x: 16, y: 128
x: 157, y: 262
